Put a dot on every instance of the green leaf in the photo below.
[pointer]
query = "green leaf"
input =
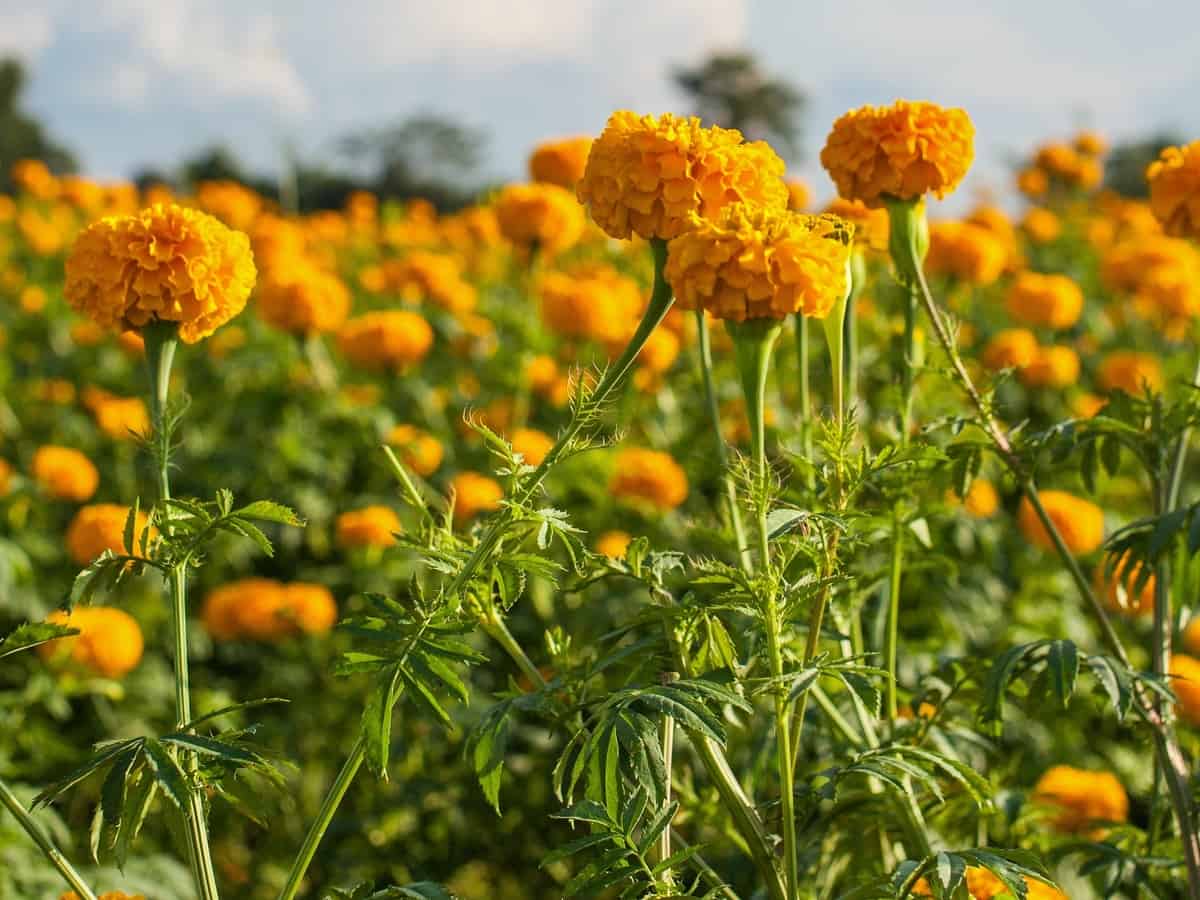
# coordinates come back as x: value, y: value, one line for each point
x: 269, y: 511
x: 137, y: 806
x: 170, y: 777
x: 784, y: 521
x: 223, y: 750
x: 1062, y: 666
x: 30, y: 635
x: 377, y: 720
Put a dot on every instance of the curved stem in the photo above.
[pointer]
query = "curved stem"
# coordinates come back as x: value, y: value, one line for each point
x: 10, y: 802
x: 320, y: 825
x: 160, y: 338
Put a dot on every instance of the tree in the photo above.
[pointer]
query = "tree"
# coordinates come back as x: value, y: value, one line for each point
x: 730, y: 89
x: 1125, y: 170
x: 21, y: 135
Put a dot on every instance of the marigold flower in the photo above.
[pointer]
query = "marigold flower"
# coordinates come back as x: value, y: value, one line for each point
x: 755, y: 262
x: 310, y: 607
x: 542, y: 374
x: 560, y: 162
x: 32, y: 299
x: 1012, y: 348
x: 436, y: 277
x: 648, y: 175
x: 1033, y: 182
x: 648, y: 477
x: 871, y: 226
x: 1117, y: 588
x: 57, y: 391
x: 981, y: 501
x: 473, y: 494
x: 1064, y: 163
x: 388, y: 339
x: 65, y: 474
x: 1080, y: 522
x: 419, y: 450
x: 371, y: 526
x: 167, y: 263
x: 1186, y: 684
x: 1041, y: 225
x: 1090, y: 143
x: 799, y: 196
x: 983, y: 885
x: 263, y: 609
x: 34, y: 177
x: 1052, y: 367
x: 301, y: 298
x: 109, y: 642
x: 122, y: 418
x: 544, y: 216
x: 6, y: 476
x: 1087, y: 405
x: 597, y: 303
x: 101, y: 527
x: 1046, y: 301
x: 966, y: 251
x: 903, y: 151
x: 659, y: 352
x: 532, y: 445
x: 1131, y: 372
x: 1174, y: 180
x: 233, y: 203
x: 613, y: 544
x: 1083, y: 797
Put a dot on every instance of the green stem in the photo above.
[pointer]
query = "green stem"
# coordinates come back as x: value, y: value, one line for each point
x: 323, y: 371
x: 39, y: 837
x: 667, y: 736
x: 893, y: 621
x: 497, y: 630
x: 161, y: 341
x: 714, y: 416
x: 806, y: 421
x: 320, y: 825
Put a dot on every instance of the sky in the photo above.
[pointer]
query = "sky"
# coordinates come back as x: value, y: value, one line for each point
x: 128, y: 84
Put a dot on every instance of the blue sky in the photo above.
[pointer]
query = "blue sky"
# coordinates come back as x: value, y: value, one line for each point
x: 128, y: 83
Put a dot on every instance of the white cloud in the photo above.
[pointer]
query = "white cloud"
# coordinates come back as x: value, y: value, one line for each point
x: 25, y: 33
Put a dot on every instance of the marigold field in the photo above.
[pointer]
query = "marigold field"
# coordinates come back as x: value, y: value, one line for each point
x: 638, y: 532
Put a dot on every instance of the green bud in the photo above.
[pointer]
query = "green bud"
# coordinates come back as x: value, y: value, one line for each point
x: 908, y: 238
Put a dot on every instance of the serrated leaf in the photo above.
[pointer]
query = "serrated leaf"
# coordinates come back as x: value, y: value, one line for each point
x: 269, y: 511
x: 32, y: 634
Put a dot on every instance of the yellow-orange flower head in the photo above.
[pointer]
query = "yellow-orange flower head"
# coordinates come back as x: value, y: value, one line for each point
x: 755, y: 263
x: 1131, y: 372
x: 966, y: 251
x: 1012, y: 348
x: 101, y: 527
x: 1175, y: 189
x: 597, y: 303
x: 903, y: 151
x: 871, y: 226
x: 262, y: 609
x: 649, y: 175
x: 560, y: 162
x: 981, y: 501
x: 371, y: 526
x: 1052, y: 367
x: 109, y: 642
x: 1044, y: 301
x: 613, y: 544
x: 301, y: 298
x: 544, y: 216
x: 533, y: 445
x: 420, y: 450
x: 1083, y: 797
x: 386, y: 339
x: 1186, y: 685
x: 474, y: 494
x: 1079, y: 521
x: 1117, y: 588
x: 430, y: 276
x: 65, y: 474
x: 648, y: 477
x: 167, y: 263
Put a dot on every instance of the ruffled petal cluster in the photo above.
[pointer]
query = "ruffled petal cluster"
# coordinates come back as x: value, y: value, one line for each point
x: 386, y: 339
x: 902, y: 151
x: 109, y: 642
x: 167, y: 263
x: 542, y: 216
x: 371, y: 526
x: 1044, y: 301
x: 1174, y: 180
x: 594, y: 303
x: 560, y: 162
x: 1051, y: 367
x: 302, y: 298
x: 65, y: 473
x: 1131, y: 372
x: 1079, y: 521
x: 650, y: 175
x: 1082, y: 797
x: 1012, y: 348
x: 436, y: 277
x: 966, y: 251
x: 418, y: 449
x: 261, y: 609
x: 101, y: 527
x: 648, y: 477
x: 474, y: 493
x: 756, y: 262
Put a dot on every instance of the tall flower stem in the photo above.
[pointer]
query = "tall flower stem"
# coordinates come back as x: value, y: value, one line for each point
x: 753, y: 343
x: 806, y: 422
x: 1174, y: 765
x: 714, y: 415
x: 161, y: 341
x: 10, y: 802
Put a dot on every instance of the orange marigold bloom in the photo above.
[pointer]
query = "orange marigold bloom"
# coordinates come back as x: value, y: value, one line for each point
x: 1083, y: 797
x: 648, y: 175
x: 659, y: 353
x: 1064, y: 163
x: 167, y: 263
x: 388, y: 339
x: 419, y: 450
x: 1032, y: 182
x: 6, y: 475
x: 755, y: 262
x: 533, y: 445
x: 1186, y: 684
x: 264, y: 609
x: 560, y: 162
x: 101, y: 527
x: 966, y: 251
x: 613, y: 544
x: 310, y: 607
x: 1046, y: 301
x: 1052, y: 367
x: 544, y: 216
x: 983, y: 885
x: 542, y: 374
x: 1012, y: 348
x: 903, y: 151
x: 596, y: 303
x: 648, y: 477
x: 1117, y: 588
x: 57, y: 391
x: 430, y: 276
x: 122, y: 418
x: 1128, y: 264
x: 371, y: 526
x: 1131, y: 372
x: 981, y: 501
x: 1090, y: 143
x: 1041, y: 225
x: 109, y: 642
x: 301, y: 298
x: 1174, y: 180
x: 34, y: 177
x: 799, y: 196
x: 233, y: 203
x: 65, y: 474
x: 871, y: 226
x: 1080, y: 522
x: 1087, y: 406
x: 473, y: 494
